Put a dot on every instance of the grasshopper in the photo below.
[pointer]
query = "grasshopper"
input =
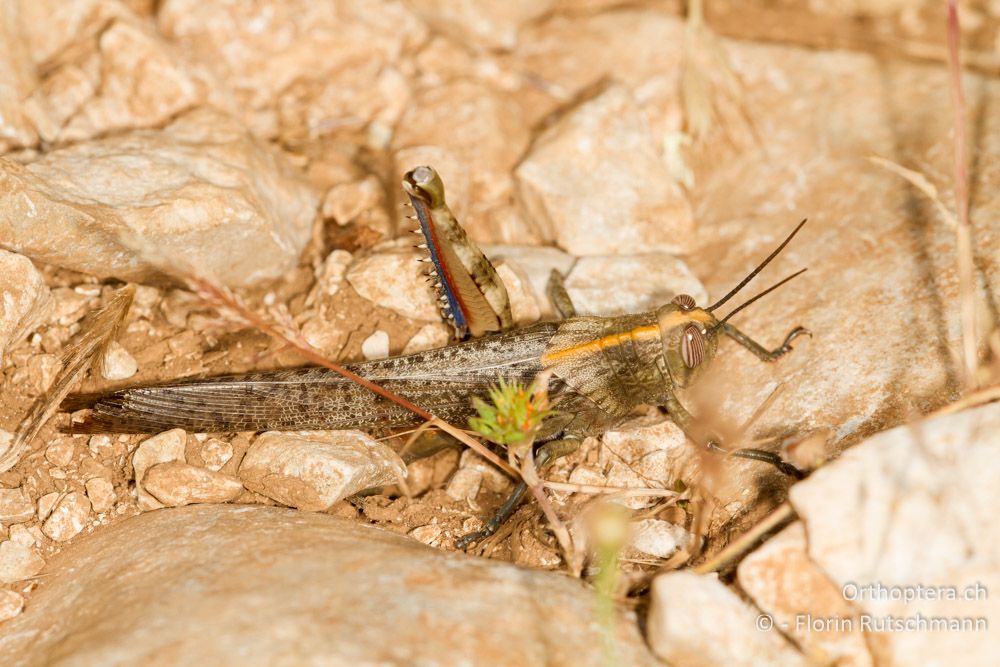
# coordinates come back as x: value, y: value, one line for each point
x: 601, y: 368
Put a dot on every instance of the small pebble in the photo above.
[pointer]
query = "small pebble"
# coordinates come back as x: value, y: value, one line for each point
x: 68, y: 517
x: 657, y: 537
x: 175, y: 484
x: 18, y: 562
x: 61, y: 452
x: 465, y: 484
x: 313, y: 470
x: 429, y: 337
x: 428, y: 534
x: 15, y: 506
x: 100, y: 444
x: 101, y: 493
x: 161, y: 448
x: 11, y: 604
x: 45, y: 505
x: 118, y: 363
x: 216, y: 453
x: 376, y: 346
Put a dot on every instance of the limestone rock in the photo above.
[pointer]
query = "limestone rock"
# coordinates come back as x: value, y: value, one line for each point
x: 118, y: 363
x: 123, y: 78
x: 216, y: 453
x: 524, y: 306
x: 161, y: 448
x: 175, y: 484
x: 101, y: 493
x: 480, y: 25
x: 67, y: 518
x: 17, y: 79
x: 302, y: 66
x: 874, y: 248
x: 786, y: 584
x: 313, y: 470
x: 24, y: 298
x: 429, y: 337
x: 696, y: 621
x: 15, y: 506
x: 487, y: 133
x: 322, y: 589
x: 595, y: 183
x: 537, y: 263
x: 924, y: 488
x: 18, y: 562
x: 199, y: 191
x: 613, y: 285
x: 657, y: 537
x: 393, y: 279
x: 11, y: 604
x: 376, y: 346
x: 61, y: 452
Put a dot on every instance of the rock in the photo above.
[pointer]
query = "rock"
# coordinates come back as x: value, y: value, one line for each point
x: 493, y: 478
x: 464, y: 484
x: 874, y: 246
x: 613, y: 285
x: 45, y: 505
x: 487, y: 133
x: 313, y: 470
x: 101, y: 493
x: 393, y: 278
x: 18, y: 562
x: 188, y: 573
x: 537, y: 263
x: 24, y: 298
x: 68, y: 517
x: 429, y: 337
x: 376, y: 346
x: 480, y: 25
x: 17, y: 79
x: 11, y: 604
x: 630, y: 203
x: 118, y: 363
x: 657, y: 537
x: 61, y: 452
x: 786, y: 584
x: 928, y: 488
x: 302, y: 69
x: 100, y: 445
x: 124, y: 78
x: 216, y: 453
x: 523, y: 305
x: 695, y: 620
x: 454, y: 173
x: 362, y: 203
x: 161, y: 448
x: 15, y: 506
x: 428, y: 534
x: 175, y: 484
x: 199, y: 191
x: 647, y: 452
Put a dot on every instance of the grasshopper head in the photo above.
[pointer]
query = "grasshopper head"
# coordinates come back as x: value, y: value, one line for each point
x: 424, y: 184
x: 689, y: 336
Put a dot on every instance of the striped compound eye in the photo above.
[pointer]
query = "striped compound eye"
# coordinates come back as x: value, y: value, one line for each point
x: 692, y: 346
x: 685, y: 301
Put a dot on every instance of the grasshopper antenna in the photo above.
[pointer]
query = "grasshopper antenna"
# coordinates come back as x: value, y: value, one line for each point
x: 760, y: 267
x: 764, y: 293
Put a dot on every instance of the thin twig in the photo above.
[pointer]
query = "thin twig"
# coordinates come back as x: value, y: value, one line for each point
x: 966, y: 272
x: 744, y: 542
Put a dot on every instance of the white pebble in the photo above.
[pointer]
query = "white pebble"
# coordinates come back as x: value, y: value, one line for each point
x: 11, y: 604
x: 118, y: 363
x: 68, y: 517
x: 376, y: 346
x: 161, y: 448
x: 101, y: 493
x: 18, y: 562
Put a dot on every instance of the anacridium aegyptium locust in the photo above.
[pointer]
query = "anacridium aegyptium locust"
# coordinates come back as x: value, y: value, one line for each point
x: 602, y: 368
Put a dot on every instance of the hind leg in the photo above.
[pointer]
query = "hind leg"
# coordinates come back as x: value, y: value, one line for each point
x: 547, y: 453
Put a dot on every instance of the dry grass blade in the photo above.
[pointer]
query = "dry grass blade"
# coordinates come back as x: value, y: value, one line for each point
x: 966, y: 269
x: 920, y: 182
x: 745, y: 542
x: 97, y: 331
